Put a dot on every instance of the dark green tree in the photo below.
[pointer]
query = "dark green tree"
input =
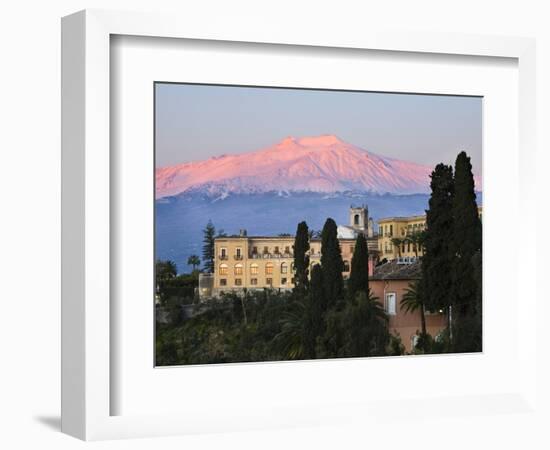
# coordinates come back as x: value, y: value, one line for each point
x: 194, y: 261
x: 466, y: 236
x: 209, y: 234
x: 331, y: 264
x: 466, y: 247
x: 165, y: 272
x: 397, y: 243
x: 437, y: 263
x: 413, y: 301
x: 416, y: 239
x: 301, y: 259
x: 359, y: 276
x: 365, y: 325
x: 313, y: 325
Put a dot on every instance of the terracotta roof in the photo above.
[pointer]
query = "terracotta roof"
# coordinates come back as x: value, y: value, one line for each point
x: 393, y: 270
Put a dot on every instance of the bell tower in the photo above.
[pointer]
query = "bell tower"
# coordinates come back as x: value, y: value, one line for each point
x: 358, y: 217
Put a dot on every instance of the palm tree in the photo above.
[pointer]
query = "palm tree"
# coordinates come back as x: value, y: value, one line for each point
x: 417, y: 240
x: 366, y: 323
x: 290, y: 338
x: 412, y: 301
x: 165, y: 270
x: 397, y: 243
x: 194, y: 261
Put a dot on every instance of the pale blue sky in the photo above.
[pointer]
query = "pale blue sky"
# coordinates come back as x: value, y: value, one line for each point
x: 195, y: 122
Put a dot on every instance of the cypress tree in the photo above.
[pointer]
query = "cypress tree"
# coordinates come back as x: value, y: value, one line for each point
x: 208, y: 247
x: 466, y: 235
x: 466, y: 247
x: 359, y: 276
x: 301, y: 259
x: 437, y: 262
x: 331, y: 264
x: 314, y: 325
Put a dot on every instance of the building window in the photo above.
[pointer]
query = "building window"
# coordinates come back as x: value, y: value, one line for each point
x: 254, y: 250
x: 269, y: 281
x: 284, y: 268
x: 239, y: 269
x: 266, y: 250
x: 287, y: 250
x: 238, y: 282
x: 391, y: 300
x: 223, y: 253
x: 356, y: 219
x: 238, y: 253
x: 223, y: 282
x: 223, y: 269
x: 346, y: 266
x: 253, y: 281
x: 254, y: 269
x: 391, y: 230
x: 292, y: 280
x: 269, y: 269
x: 276, y: 250
x: 283, y: 280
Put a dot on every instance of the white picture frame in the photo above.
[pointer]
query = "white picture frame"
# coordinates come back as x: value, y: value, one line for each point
x: 87, y: 386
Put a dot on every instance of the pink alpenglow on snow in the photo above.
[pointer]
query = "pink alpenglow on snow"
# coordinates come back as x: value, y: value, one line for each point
x: 317, y: 163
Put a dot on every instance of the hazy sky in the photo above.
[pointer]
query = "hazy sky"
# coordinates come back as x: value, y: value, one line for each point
x: 195, y: 122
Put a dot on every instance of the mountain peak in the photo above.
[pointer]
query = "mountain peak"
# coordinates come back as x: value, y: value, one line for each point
x: 322, y: 163
x: 322, y: 140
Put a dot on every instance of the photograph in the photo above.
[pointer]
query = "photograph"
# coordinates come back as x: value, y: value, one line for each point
x: 297, y: 224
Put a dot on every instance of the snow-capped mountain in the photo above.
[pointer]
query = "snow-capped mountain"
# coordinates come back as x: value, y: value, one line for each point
x: 308, y: 164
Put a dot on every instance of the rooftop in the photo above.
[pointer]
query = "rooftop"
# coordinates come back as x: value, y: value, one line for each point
x: 402, y: 218
x: 396, y: 270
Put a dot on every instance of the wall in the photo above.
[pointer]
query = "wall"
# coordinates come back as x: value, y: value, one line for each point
x: 406, y: 324
x: 29, y: 229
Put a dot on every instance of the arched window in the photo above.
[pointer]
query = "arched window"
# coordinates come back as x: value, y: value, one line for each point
x: 356, y: 219
x: 238, y: 269
x: 346, y: 266
x: 254, y: 269
x: 284, y: 268
x: 223, y: 269
x: 269, y: 269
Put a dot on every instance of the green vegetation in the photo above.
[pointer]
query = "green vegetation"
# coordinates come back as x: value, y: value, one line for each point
x: 194, y: 261
x: 208, y: 247
x: 359, y: 275
x: 332, y: 265
x: 301, y: 259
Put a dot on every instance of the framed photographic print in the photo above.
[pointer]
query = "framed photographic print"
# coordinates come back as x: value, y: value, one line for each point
x: 331, y: 228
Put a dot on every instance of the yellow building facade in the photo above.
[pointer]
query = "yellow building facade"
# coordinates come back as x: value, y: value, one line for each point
x: 267, y: 262
x: 260, y: 262
x: 404, y: 229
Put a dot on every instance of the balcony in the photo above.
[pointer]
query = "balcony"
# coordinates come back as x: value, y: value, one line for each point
x: 223, y: 257
x: 238, y: 257
x: 271, y: 255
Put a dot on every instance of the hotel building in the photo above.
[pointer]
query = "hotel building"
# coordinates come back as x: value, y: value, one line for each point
x: 403, y: 228
x: 259, y: 262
